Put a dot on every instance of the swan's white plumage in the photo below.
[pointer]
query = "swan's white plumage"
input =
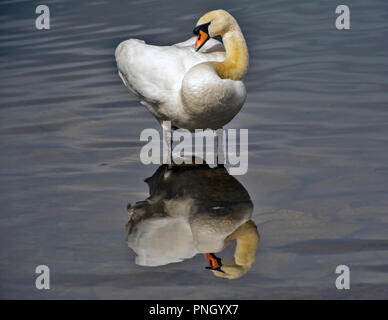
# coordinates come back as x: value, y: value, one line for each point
x: 180, y: 235
x: 177, y: 83
x: 176, y: 244
x: 193, y: 210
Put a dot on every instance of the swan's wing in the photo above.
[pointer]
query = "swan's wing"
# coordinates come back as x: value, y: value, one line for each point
x: 155, y: 73
x: 160, y: 241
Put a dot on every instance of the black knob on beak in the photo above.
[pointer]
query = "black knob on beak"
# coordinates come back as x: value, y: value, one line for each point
x: 204, y: 27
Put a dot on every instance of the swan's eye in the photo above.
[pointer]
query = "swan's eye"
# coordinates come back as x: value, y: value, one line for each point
x: 204, y: 27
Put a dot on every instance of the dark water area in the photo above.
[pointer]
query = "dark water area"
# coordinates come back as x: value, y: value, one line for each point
x: 317, y: 114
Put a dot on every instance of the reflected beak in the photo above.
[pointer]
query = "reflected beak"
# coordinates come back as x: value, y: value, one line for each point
x: 202, y: 34
x: 214, y: 262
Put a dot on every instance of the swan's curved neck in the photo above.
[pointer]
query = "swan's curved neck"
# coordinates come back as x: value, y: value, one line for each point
x: 247, y: 241
x: 235, y: 64
x: 247, y: 238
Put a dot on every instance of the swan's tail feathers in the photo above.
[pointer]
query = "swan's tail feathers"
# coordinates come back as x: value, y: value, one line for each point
x: 128, y: 84
x: 119, y: 49
x: 126, y: 43
x: 140, y: 72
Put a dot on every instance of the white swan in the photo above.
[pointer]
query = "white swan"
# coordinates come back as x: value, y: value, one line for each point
x: 194, y: 209
x: 195, y: 84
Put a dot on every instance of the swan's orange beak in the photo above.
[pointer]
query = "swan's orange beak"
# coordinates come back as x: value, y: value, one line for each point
x: 214, y: 262
x: 201, y: 39
x: 202, y: 34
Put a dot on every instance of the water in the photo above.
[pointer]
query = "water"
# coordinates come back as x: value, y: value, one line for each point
x: 69, y: 139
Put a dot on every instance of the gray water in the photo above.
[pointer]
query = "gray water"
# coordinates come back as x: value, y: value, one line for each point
x: 318, y: 136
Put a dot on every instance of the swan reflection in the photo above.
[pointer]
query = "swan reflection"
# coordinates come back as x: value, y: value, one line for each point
x: 193, y: 209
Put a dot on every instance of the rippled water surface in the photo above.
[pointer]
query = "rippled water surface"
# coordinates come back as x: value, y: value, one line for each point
x: 318, y: 141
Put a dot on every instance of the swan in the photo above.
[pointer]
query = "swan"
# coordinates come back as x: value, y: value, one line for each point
x: 193, y: 209
x: 195, y: 84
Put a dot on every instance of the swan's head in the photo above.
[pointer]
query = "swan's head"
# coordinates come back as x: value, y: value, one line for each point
x: 247, y: 238
x: 214, y: 23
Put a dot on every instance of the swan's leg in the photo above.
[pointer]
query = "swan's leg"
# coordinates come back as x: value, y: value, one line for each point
x: 169, y: 147
x: 169, y: 134
x: 220, y: 148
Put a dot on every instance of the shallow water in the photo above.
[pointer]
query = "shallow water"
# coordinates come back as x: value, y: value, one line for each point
x: 318, y: 136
